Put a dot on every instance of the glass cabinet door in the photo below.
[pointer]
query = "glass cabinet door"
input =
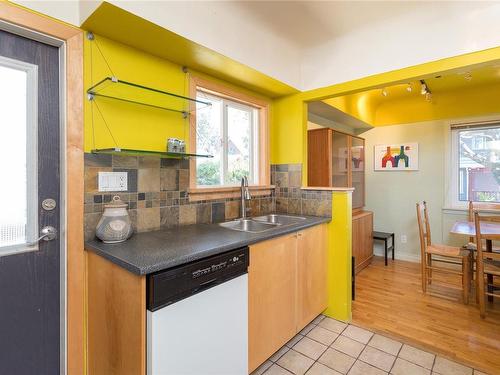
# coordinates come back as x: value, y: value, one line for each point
x: 358, y: 171
x: 340, y: 159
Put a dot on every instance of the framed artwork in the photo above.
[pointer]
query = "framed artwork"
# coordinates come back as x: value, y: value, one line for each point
x: 396, y: 157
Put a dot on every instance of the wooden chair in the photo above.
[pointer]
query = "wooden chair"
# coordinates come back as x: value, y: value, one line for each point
x: 487, y: 264
x: 479, y: 207
x: 448, y: 254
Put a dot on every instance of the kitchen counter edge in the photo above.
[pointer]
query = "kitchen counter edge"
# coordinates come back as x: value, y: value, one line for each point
x: 133, y: 255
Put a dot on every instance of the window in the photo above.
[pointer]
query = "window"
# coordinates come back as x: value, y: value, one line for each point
x: 234, y: 129
x: 18, y: 152
x: 476, y: 164
x: 227, y: 130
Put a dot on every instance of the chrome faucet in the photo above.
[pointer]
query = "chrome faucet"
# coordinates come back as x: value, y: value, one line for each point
x: 245, y: 196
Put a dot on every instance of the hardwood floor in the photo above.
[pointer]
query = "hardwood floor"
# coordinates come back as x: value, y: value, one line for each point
x: 390, y: 300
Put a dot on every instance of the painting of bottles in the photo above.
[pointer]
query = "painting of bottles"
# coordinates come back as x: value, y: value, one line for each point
x: 396, y: 157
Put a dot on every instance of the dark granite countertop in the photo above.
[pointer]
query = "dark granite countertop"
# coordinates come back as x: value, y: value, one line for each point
x: 149, y: 252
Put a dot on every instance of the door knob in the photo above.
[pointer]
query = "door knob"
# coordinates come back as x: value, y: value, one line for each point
x: 47, y: 233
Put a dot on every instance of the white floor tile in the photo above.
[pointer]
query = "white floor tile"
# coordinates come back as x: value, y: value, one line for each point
x: 323, y: 335
x: 358, y: 334
x: 444, y: 366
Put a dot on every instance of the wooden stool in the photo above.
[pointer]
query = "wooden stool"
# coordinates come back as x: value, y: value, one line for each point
x: 383, y: 236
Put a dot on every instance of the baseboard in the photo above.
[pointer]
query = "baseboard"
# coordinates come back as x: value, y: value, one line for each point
x: 399, y: 256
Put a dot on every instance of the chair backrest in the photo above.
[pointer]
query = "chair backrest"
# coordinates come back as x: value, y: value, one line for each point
x: 482, y: 206
x: 424, y: 229
x: 481, y: 251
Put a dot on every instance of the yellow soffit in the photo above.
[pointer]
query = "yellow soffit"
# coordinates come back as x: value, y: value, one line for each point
x: 471, y: 60
x: 117, y: 24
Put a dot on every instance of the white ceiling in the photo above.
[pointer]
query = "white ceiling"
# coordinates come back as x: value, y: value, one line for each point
x: 311, y: 44
x: 307, y: 24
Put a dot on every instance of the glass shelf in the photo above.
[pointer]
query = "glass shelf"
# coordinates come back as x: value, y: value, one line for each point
x: 160, y: 154
x: 114, y: 88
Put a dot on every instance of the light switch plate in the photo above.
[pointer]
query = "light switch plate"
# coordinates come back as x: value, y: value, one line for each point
x: 112, y: 181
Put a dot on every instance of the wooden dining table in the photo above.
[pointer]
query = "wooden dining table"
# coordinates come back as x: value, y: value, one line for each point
x: 490, y: 231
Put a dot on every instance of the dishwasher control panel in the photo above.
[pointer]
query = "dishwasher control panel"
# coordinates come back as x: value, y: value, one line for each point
x: 169, y: 286
x: 230, y: 261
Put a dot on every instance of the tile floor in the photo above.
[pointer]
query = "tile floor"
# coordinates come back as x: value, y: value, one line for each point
x: 329, y: 347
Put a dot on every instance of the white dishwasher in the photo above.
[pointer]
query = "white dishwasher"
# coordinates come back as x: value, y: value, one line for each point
x: 197, y: 318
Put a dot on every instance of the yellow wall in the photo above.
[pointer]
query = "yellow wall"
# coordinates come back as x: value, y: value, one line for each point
x: 287, y: 141
x: 135, y: 126
x: 339, y: 257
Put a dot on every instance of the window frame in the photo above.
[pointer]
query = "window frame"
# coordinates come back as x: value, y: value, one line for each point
x: 262, y: 167
x: 254, y: 133
x: 454, y: 159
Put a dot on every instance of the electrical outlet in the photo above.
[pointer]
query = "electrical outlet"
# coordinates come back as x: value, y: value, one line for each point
x: 403, y: 238
x: 112, y: 181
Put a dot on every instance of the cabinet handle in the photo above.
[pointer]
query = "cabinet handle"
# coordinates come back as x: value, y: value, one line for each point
x: 299, y: 234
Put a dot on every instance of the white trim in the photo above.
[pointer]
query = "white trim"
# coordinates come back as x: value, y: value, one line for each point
x: 379, y: 251
x: 453, y: 173
x: 31, y: 71
x: 226, y: 103
x: 451, y: 129
x: 63, y: 223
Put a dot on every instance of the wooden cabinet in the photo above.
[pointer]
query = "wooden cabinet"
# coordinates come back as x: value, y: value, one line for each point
x: 362, y: 239
x: 116, y: 311
x: 286, y: 289
x: 337, y: 159
x: 311, y: 274
x: 271, y: 297
x: 320, y: 161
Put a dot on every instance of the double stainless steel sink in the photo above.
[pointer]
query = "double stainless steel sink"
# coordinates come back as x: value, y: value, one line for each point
x: 261, y: 223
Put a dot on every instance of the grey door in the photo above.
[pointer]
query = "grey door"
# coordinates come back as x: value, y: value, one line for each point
x: 30, y: 333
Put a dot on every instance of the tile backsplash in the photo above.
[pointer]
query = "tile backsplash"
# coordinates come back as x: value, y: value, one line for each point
x: 157, y: 194
x: 291, y: 199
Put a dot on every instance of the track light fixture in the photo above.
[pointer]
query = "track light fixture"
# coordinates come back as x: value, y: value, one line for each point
x: 424, y: 90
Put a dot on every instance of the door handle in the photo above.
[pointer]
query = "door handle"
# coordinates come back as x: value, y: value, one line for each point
x: 47, y: 233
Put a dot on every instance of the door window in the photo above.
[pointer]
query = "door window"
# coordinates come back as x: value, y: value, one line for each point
x: 18, y: 154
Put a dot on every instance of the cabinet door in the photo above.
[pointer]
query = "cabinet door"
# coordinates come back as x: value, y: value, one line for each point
x: 319, y: 161
x: 340, y: 159
x: 311, y: 274
x: 356, y: 242
x: 272, y: 283
x: 368, y: 239
x: 358, y: 171
x: 362, y: 239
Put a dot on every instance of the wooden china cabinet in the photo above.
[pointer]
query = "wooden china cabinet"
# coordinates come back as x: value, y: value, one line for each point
x: 337, y: 159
